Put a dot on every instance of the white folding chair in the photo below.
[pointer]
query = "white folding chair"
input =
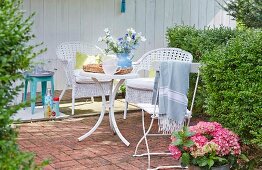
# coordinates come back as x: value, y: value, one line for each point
x: 153, y: 110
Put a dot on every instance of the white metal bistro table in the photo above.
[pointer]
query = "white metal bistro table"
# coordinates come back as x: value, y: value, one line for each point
x: 113, y: 124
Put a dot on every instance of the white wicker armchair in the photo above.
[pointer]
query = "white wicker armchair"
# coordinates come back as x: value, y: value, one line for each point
x: 141, y: 90
x: 81, y: 86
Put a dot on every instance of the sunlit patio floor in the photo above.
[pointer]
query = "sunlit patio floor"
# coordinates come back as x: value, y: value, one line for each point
x: 57, y: 141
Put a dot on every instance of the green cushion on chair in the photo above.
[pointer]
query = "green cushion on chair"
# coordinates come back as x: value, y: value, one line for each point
x: 83, y: 59
x: 152, y: 73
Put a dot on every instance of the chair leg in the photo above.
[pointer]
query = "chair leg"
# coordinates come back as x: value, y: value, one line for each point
x: 125, y: 109
x: 63, y: 92
x: 145, y: 133
x: 73, y: 101
x: 147, y: 147
x: 143, y: 137
x: 43, y: 84
x: 25, y: 92
x: 53, y: 86
x: 33, y: 86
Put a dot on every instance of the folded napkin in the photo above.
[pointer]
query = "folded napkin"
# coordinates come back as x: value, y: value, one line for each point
x: 173, y: 88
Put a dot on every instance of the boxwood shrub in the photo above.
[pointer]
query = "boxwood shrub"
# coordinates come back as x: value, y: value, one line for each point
x: 198, y: 42
x: 15, y: 57
x: 232, y: 77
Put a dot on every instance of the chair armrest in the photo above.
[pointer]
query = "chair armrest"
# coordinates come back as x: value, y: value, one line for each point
x: 135, y: 63
x: 68, y: 66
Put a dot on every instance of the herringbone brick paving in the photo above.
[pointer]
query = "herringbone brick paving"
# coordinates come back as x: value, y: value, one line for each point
x: 57, y: 141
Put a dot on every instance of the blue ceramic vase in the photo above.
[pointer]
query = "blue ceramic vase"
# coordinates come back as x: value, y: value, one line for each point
x: 124, y: 60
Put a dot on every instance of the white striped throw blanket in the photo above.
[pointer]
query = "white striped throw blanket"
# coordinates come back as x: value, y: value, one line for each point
x: 173, y: 88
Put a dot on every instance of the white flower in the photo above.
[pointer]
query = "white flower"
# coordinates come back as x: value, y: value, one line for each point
x: 100, y: 39
x: 106, y: 30
x: 110, y: 38
x: 128, y: 39
x: 143, y: 38
x: 127, y: 43
x: 132, y: 31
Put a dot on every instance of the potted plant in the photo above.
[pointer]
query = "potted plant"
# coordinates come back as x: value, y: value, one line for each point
x: 206, y: 145
x: 122, y: 46
x: 123, y: 90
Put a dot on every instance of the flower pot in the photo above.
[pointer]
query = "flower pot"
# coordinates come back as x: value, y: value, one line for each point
x: 222, y: 167
x: 124, y: 60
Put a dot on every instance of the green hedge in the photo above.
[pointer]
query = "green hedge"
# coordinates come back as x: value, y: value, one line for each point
x: 198, y: 42
x: 15, y: 56
x: 233, y: 81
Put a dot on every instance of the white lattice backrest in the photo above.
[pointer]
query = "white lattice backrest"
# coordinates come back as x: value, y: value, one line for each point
x: 161, y: 54
x: 66, y: 52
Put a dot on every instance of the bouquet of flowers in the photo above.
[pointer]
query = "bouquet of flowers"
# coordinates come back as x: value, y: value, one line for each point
x: 123, y: 44
x: 205, y: 145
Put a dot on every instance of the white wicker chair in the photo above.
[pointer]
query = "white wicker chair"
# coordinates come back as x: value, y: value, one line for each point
x: 141, y: 90
x: 81, y: 86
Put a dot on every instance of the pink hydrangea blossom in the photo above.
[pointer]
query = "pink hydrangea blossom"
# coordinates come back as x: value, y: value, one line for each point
x: 227, y: 142
x: 209, y: 137
x: 199, y: 139
x: 205, y: 127
x: 198, y: 150
x: 176, y: 153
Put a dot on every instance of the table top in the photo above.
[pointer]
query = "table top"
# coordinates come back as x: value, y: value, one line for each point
x: 40, y: 74
x: 108, y: 76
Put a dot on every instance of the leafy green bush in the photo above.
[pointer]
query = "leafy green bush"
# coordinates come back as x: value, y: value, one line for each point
x: 15, y: 57
x: 198, y: 42
x: 247, y: 12
x: 233, y: 82
x: 186, y: 38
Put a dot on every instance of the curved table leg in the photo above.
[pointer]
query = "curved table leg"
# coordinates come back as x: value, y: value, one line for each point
x: 110, y: 122
x: 112, y: 115
x: 101, y: 114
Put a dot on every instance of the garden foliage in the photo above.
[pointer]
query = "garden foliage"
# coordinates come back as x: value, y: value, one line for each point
x: 15, y: 57
x: 198, y: 42
x: 233, y: 82
x: 246, y: 12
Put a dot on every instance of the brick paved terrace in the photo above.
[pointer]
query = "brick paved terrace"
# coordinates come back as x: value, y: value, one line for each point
x: 57, y: 141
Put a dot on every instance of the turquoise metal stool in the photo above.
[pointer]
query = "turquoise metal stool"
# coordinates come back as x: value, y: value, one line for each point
x: 43, y: 77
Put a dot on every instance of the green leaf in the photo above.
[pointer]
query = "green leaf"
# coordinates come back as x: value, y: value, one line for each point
x: 210, y: 163
x: 202, y: 161
x: 187, y: 133
x: 175, y: 133
x: 244, y: 157
x: 185, y: 159
x: 189, y: 143
x: 220, y: 159
x: 178, y: 142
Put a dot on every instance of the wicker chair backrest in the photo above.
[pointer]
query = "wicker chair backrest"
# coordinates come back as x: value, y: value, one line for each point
x: 161, y: 54
x: 67, y: 50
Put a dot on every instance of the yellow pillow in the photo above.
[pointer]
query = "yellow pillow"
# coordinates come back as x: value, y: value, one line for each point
x: 83, y: 59
x: 152, y: 73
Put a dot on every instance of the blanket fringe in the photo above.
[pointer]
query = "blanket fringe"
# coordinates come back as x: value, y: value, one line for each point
x: 167, y: 126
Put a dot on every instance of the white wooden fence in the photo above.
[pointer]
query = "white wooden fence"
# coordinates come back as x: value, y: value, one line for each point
x: 58, y: 21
